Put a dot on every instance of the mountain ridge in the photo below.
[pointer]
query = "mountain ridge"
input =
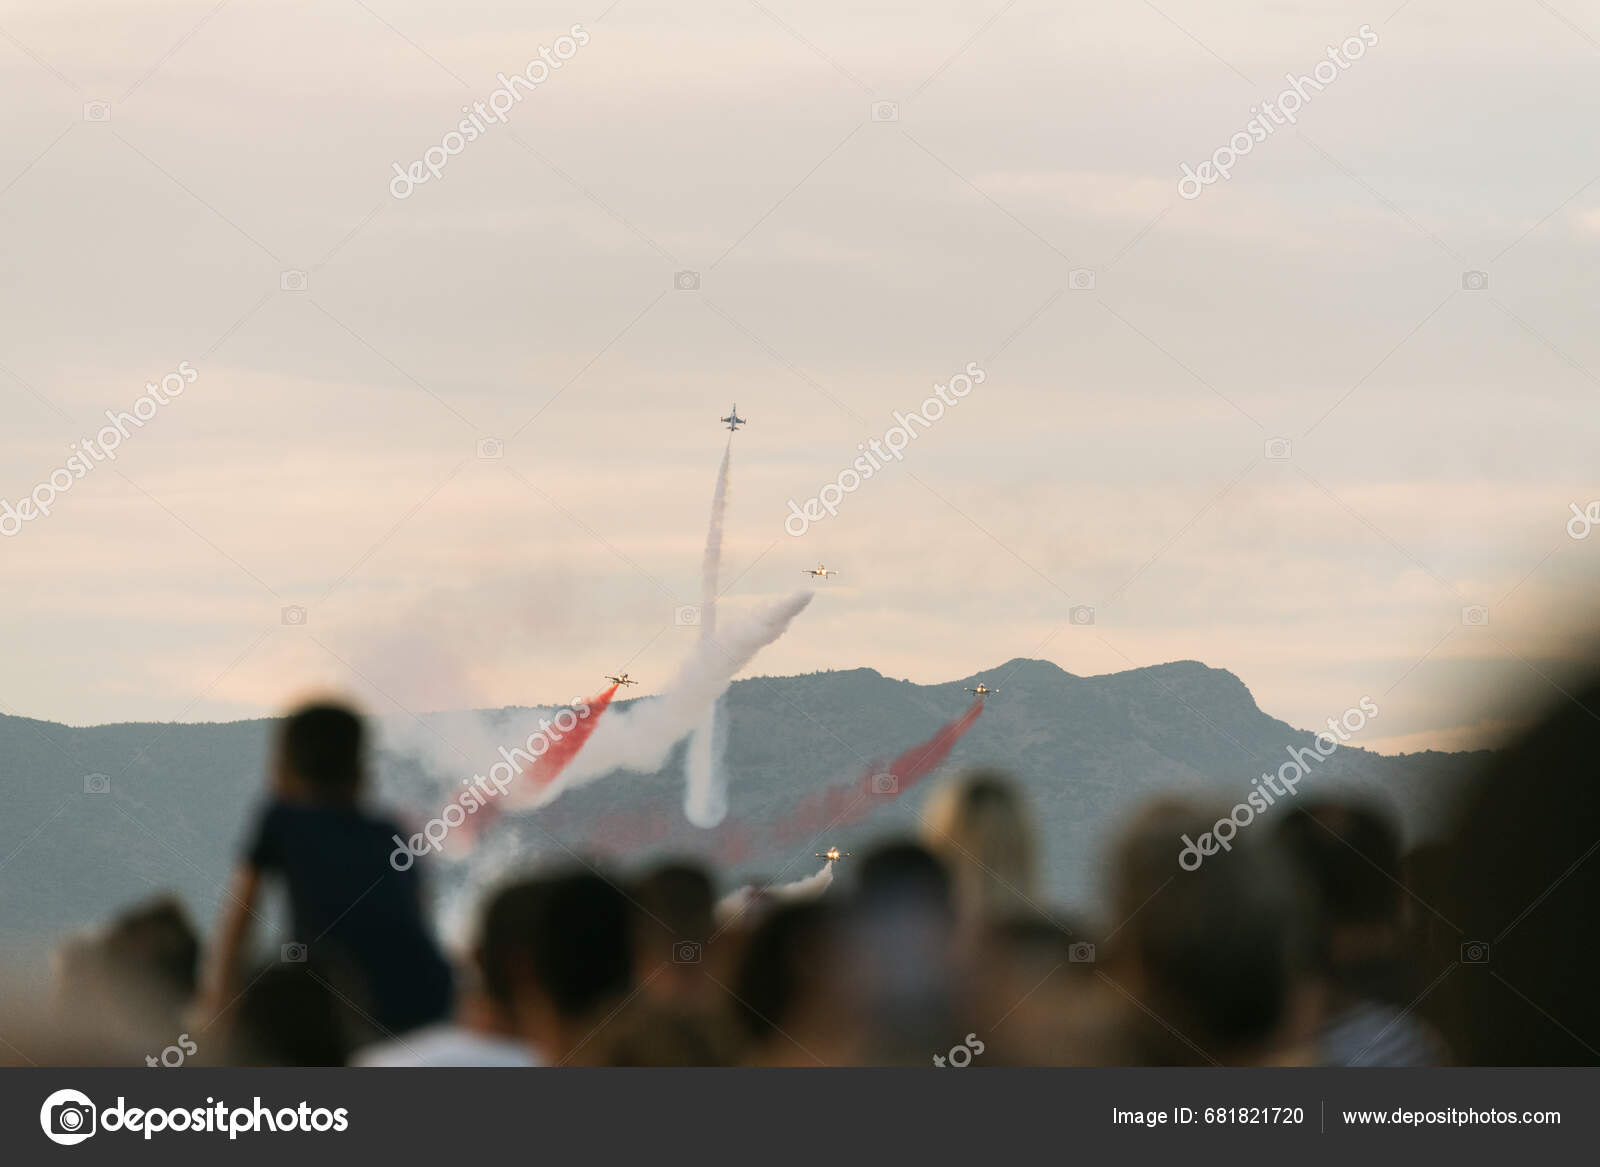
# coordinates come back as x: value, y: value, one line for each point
x: 1085, y: 750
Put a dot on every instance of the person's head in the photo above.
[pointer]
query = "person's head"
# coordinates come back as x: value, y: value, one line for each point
x: 673, y: 906
x: 155, y: 951
x: 979, y: 826
x: 288, y: 1017
x: 320, y: 754
x: 1218, y: 952
x: 784, y: 981
x: 1349, y: 859
x: 130, y: 981
x: 558, y: 949
x: 900, y: 962
x: 904, y: 877
x: 1519, y: 894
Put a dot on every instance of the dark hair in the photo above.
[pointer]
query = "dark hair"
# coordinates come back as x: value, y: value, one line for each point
x: 901, y: 875
x: 1350, y: 858
x: 567, y: 933
x: 155, y: 950
x: 1222, y: 945
x: 287, y: 1018
x: 781, y: 963
x: 322, y: 744
x: 503, y: 938
x: 674, y: 902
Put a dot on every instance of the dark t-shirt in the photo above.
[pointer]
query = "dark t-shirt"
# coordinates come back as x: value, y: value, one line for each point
x: 357, y: 916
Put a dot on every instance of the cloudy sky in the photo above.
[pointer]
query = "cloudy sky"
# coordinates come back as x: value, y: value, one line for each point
x: 871, y: 199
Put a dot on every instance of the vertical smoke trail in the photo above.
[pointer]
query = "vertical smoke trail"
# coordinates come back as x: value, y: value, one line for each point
x: 711, y: 562
x: 641, y: 738
x: 705, y: 795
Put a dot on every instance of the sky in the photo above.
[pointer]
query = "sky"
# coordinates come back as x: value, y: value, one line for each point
x: 1323, y: 424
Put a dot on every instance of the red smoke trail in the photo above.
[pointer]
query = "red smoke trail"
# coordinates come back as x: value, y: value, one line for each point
x: 835, y: 806
x: 547, y: 766
x: 841, y: 805
x: 554, y: 760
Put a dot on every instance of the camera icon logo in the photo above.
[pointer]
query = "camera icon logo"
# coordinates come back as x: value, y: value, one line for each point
x: 1081, y: 614
x: 687, y: 281
x: 686, y: 952
x: 490, y: 448
x: 67, y: 1117
x: 885, y: 783
x: 96, y: 784
x: 1474, y: 281
x: 686, y: 616
x: 1475, y: 952
x: 293, y: 953
x: 1081, y: 953
x: 294, y: 615
x: 292, y: 281
x: 885, y: 111
x: 1475, y: 616
x: 96, y: 111
x: 1081, y: 279
x: 1277, y: 450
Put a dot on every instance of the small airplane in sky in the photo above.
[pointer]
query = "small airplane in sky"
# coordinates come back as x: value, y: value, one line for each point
x: 733, y: 421
x: 622, y: 680
x: 833, y: 854
x: 982, y: 690
x: 821, y: 571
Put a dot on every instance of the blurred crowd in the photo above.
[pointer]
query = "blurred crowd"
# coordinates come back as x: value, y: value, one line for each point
x: 1316, y: 937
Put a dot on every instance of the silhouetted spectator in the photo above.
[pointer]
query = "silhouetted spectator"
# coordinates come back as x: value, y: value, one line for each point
x: 1524, y: 879
x: 125, y: 987
x: 288, y: 1017
x: 1218, y: 955
x: 786, y: 988
x: 900, y: 965
x: 980, y: 828
x: 355, y: 918
x: 484, y: 1029
x: 575, y: 961
x: 673, y: 905
x: 1349, y: 858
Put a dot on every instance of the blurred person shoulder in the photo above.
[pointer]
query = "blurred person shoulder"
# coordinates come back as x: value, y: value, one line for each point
x: 446, y: 1045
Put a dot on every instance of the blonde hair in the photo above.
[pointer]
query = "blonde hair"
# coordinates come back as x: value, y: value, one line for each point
x: 981, y: 828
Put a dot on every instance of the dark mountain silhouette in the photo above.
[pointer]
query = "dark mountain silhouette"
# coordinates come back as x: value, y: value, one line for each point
x: 1087, y: 749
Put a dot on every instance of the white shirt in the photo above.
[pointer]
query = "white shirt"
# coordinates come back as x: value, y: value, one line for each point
x: 446, y: 1044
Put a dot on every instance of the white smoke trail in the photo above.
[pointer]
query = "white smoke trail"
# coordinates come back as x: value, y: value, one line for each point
x: 711, y: 562
x: 705, y: 792
x: 641, y: 736
x: 736, y: 903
